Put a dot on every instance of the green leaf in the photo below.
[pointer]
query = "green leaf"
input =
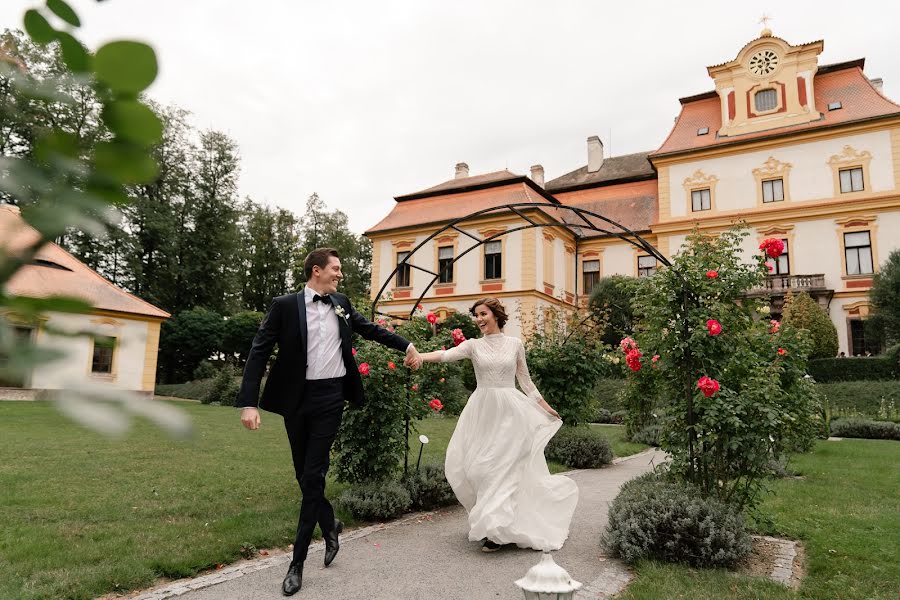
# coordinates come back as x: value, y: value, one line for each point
x: 75, y: 55
x: 133, y: 121
x: 126, y: 67
x: 38, y: 28
x: 124, y: 162
x: 64, y: 12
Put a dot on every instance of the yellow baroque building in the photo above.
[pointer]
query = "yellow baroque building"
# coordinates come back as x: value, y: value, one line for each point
x: 804, y: 152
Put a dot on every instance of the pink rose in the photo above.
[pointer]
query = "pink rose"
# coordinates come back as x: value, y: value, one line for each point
x: 655, y: 358
x: 415, y: 387
x: 628, y: 344
x: 708, y: 386
x: 432, y: 318
x: 774, y: 326
x: 714, y: 327
x: 391, y: 365
x: 354, y: 351
x: 364, y: 369
x: 436, y: 405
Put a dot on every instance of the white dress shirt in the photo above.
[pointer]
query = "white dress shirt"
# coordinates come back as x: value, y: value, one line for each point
x: 323, y: 341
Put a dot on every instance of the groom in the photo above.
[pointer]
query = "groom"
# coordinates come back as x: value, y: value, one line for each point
x: 312, y: 376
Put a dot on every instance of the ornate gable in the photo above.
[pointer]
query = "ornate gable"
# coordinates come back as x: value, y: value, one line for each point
x: 768, y: 85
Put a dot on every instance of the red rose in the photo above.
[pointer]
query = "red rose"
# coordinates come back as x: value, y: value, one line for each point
x: 436, y: 405
x: 712, y: 273
x: 774, y: 326
x: 432, y: 318
x: 633, y: 359
x: 773, y: 247
x: 782, y: 352
x: 458, y: 336
x: 391, y: 365
x: 415, y: 387
x: 714, y: 327
x: 364, y: 369
x: 354, y: 351
x: 708, y: 386
x: 418, y: 307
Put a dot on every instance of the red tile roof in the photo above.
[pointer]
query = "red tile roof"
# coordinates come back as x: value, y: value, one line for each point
x: 462, y: 183
x: 632, y: 205
x: 849, y: 86
x: 443, y: 207
x: 58, y: 273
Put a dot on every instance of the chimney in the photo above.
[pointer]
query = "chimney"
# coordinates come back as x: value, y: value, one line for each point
x: 537, y: 175
x: 462, y: 170
x: 595, y: 154
x: 878, y: 84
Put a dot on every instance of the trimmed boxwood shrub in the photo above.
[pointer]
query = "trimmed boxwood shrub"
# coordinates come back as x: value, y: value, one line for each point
x: 879, y: 400
x: 826, y: 370
x: 579, y: 448
x: 653, y: 518
x: 864, y: 428
x: 376, y: 501
x: 429, y: 488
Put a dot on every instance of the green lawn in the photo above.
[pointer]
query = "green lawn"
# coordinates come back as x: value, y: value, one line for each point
x: 846, y: 511
x: 84, y: 515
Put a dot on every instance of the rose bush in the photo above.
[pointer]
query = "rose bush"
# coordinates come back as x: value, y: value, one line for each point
x: 733, y: 400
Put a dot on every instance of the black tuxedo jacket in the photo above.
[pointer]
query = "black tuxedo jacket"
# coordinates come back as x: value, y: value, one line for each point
x: 285, y: 325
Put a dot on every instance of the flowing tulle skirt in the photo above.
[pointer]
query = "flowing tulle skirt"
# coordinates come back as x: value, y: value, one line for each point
x: 495, y: 465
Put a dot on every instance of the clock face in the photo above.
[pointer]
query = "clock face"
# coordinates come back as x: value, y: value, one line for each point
x: 763, y: 62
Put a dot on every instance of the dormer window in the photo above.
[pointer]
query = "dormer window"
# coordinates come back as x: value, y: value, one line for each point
x: 835, y: 105
x: 765, y: 100
x: 703, y: 131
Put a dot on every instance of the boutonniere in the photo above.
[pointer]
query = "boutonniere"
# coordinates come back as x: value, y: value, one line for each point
x: 339, y: 311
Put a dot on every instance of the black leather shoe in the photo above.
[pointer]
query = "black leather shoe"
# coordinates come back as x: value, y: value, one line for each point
x: 332, y: 545
x: 293, y: 581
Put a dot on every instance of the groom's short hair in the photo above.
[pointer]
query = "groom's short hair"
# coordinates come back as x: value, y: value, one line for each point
x: 318, y: 258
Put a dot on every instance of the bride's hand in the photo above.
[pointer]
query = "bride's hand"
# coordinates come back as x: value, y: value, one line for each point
x: 554, y: 413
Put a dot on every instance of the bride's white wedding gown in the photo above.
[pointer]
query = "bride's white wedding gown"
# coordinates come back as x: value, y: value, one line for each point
x: 495, y: 460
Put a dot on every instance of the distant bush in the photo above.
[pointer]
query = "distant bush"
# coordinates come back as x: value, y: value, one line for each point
x: 827, y: 370
x: 579, y: 448
x: 649, y: 435
x: 607, y: 392
x: 192, y: 390
x: 429, y: 488
x: 223, y: 389
x: 802, y: 312
x: 866, y: 429
x: 376, y: 501
x: 205, y: 370
x: 652, y: 518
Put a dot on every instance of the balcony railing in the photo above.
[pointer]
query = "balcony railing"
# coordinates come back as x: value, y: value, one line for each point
x: 781, y: 284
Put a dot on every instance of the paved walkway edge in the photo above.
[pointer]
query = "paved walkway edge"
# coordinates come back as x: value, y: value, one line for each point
x: 183, y: 586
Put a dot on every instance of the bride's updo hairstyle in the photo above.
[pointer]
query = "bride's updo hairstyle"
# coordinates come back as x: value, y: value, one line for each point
x: 495, y: 307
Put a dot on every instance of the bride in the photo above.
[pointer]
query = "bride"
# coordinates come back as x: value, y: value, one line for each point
x: 495, y: 460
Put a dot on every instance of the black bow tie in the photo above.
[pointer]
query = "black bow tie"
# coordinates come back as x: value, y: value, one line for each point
x: 326, y: 299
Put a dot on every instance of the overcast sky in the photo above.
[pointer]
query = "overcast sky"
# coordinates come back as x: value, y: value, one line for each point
x: 362, y: 101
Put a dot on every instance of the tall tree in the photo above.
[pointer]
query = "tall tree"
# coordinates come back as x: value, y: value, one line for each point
x: 210, y: 263
x: 885, y: 296
x: 268, y: 242
x: 158, y: 217
x: 320, y: 228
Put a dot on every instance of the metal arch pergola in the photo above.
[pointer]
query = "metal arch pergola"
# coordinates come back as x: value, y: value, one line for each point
x: 609, y: 227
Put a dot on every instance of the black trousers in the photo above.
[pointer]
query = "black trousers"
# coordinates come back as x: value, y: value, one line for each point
x: 312, y: 432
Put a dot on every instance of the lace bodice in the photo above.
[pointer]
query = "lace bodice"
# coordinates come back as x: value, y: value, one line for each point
x: 499, y: 362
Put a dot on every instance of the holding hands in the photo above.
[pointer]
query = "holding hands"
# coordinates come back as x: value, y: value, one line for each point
x: 413, y: 359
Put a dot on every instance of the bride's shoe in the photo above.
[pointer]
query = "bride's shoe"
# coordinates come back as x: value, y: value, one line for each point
x: 489, y: 546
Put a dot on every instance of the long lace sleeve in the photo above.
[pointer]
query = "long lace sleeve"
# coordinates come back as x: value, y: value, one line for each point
x: 524, y: 377
x: 460, y: 352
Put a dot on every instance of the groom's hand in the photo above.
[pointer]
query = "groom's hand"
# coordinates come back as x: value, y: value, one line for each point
x: 250, y: 418
x: 412, y: 360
